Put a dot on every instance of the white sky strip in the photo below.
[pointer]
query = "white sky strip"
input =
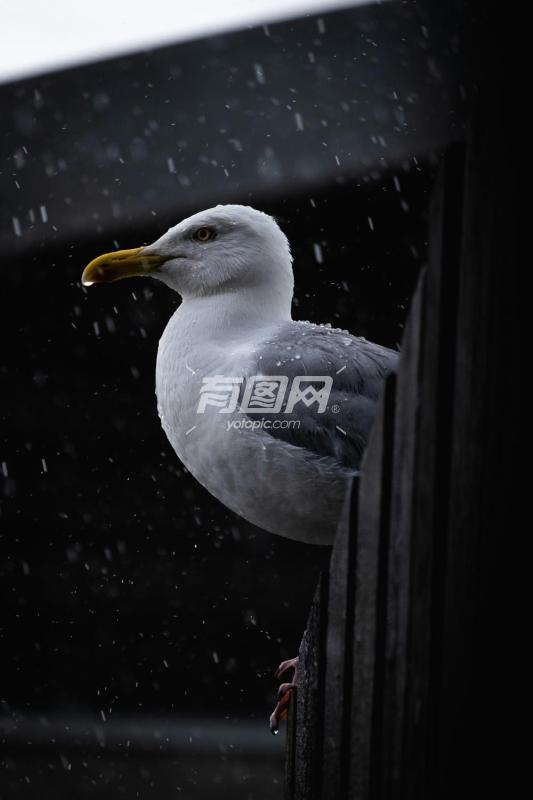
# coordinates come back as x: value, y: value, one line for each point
x: 44, y: 36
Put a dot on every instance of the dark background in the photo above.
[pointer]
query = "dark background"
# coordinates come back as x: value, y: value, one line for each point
x: 142, y: 621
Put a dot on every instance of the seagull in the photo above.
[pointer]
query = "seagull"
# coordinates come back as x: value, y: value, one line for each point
x: 270, y: 414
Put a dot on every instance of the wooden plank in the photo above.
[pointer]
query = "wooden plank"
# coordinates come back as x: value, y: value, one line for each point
x: 338, y: 657
x: 432, y: 469
x: 290, y: 751
x: 488, y: 429
x: 398, y: 569
x: 310, y: 699
x: 372, y: 537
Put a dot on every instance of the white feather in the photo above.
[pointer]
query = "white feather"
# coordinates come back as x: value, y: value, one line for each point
x: 236, y: 317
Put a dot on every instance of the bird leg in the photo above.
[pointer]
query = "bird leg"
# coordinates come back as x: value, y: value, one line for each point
x: 284, y: 693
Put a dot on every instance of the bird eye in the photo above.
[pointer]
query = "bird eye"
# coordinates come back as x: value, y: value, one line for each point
x: 204, y: 234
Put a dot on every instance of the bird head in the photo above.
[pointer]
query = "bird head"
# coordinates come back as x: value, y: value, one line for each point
x: 212, y: 252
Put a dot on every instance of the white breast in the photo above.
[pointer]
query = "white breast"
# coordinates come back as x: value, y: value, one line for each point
x: 279, y: 487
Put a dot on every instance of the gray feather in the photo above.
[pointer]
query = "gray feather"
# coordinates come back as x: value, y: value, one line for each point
x: 358, y: 369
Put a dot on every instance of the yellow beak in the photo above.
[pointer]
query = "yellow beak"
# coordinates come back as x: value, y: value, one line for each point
x: 112, y: 267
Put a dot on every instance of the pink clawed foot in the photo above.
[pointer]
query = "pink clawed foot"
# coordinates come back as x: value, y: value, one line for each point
x: 284, y: 693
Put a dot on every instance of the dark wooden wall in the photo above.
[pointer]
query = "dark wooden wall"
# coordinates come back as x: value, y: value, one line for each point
x: 400, y: 690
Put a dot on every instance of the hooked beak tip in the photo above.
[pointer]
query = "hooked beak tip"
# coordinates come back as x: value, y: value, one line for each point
x: 111, y: 267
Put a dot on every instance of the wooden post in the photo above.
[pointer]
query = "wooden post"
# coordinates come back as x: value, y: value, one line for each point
x: 310, y: 700
x: 368, y: 599
x: 290, y: 752
x: 338, y: 685
x: 389, y: 757
x: 488, y: 424
x: 432, y: 475
x: 414, y: 617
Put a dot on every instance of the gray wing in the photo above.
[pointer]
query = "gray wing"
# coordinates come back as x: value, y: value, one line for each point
x: 358, y: 369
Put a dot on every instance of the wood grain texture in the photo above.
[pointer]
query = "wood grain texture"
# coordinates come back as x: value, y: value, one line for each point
x: 416, y: 627
x: 484, y: 501
x: 290, y: 748
x: 310, y: 700
x: 371, y: 531
x: 398, y: 567
x: 432, y: 475
x: 338, y: 658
